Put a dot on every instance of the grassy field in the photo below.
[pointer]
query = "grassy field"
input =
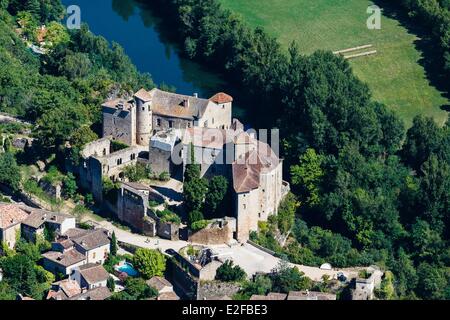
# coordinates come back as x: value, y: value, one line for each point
x: 394, y: 73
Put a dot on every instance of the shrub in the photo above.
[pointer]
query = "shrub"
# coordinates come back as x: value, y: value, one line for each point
x: 198, y: 225
x: 229, y: 273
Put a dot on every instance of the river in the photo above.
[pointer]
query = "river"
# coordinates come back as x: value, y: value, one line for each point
x: 135, y: 28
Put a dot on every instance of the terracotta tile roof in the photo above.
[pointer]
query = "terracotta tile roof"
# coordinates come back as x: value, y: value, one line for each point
x: 159, y: 283
x: 143, y: 95
x: 11, y: 214
x: 221, y: 97
x: 248, y: 168
x: 66, y: 259
x: 93, y: 273
x: 64, y: 289
x: 99, y: 293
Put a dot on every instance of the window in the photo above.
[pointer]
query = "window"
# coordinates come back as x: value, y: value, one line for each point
x: 245, y: 206
x: 143, y: 108
x: 212, y: 120
x: 119, y: 161
x: 93, y: 255
x: 170, y: 124
x: 158, y: 122
x: 104, y: 151
x: 132, y: 156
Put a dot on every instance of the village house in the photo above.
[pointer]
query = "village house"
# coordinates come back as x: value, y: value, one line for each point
x: 38, y: 220
x: 90, y: 276
x: 75, y: 248
x: 11, y: 217
x: 63, y: 290
x: 96, y: 294
x: 164, y: 288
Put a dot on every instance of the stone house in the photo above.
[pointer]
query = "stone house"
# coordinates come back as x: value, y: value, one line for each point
x: 90, y: 276
x: 134, y: 120
x: 160, y: 284
x: 11, y: 217
x: 63, y: 290
x: 38, y: 220
x: 63, y: 262
x: 75, y: 248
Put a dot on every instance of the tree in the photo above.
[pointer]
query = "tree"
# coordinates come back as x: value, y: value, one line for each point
x: 387, y: 290
x: 9, y: 171
x: 6, y: 293
x: 432, y: 282
x: 285, y: 279
x: 135, y: 289
x: 111, y: 284
x: 113, y: 244
x: 56, y: 34
x: 217, y: 189
x: 286, y: 213
x: 229, y: 273
x: 308, y: 175
x: 149, y: 262
x: 75, y: 65
x: 24, y: 277
x: 422, y: 139
x: 70, y: 185
x: 195, y: 216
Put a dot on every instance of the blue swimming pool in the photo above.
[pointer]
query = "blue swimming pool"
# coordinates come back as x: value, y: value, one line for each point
x: 128, y: 269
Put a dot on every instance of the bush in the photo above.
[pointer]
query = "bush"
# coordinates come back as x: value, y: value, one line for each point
x: 198, y: 225
x: 229, y: 273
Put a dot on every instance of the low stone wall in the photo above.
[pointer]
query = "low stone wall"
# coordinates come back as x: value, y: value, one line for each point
x: 273, y: 253
x: 212, y: 235
x: 208, y: 290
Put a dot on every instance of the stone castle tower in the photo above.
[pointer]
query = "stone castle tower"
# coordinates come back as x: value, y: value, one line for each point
x: 143, y: 117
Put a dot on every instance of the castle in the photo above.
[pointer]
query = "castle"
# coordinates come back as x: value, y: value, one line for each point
x: 158, y: 127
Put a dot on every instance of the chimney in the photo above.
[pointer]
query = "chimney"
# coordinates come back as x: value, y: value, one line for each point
x: 186, y: 102
x: 195, y: 94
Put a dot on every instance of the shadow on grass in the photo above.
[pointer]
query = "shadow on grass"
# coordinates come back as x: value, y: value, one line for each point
x: 431, y: 59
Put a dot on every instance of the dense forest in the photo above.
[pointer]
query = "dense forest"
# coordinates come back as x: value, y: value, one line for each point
x: 369, y: 191
x: 366, y: 190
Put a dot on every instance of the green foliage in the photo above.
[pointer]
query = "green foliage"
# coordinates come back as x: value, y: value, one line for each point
x: 118, y: 145
x: 9, y: 171
x: 286, y: 213
x: 136, y: 172
x: 260, y: 285
x: 308, y: 176
x: 149, y: 262
x: 168, y: 216
x: 286, y: 279
x: 135, y: 289
x: 113, y: 244
x: 195, y: 216
x: 110, y: 283
x: 229, y: 273
x: 56, y: 35
x: 199, y: 225
x: 23, y: 276
x: 215, y: 197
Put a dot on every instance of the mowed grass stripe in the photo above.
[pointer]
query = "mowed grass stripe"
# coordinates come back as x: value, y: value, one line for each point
x: 394, y: 74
